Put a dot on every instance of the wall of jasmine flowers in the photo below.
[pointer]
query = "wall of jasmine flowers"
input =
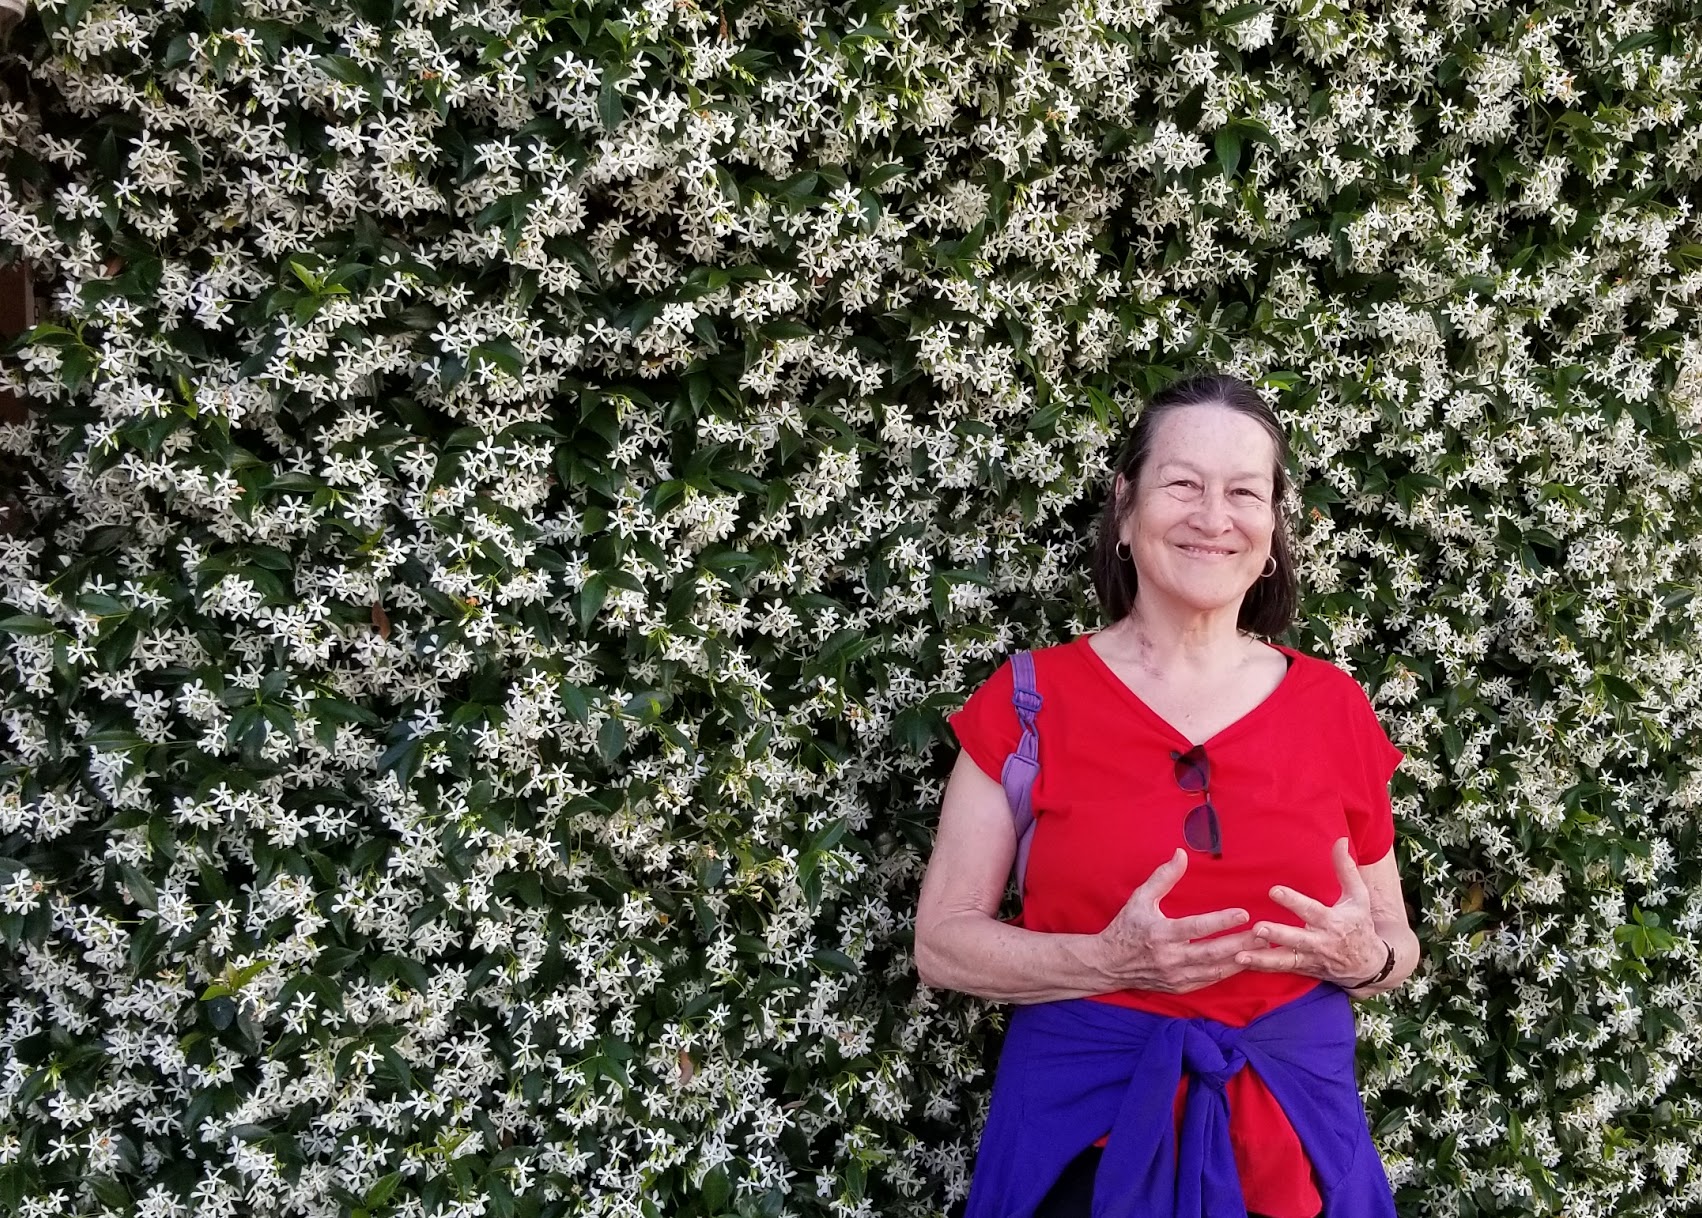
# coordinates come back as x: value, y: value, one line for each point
x: 510, y: 491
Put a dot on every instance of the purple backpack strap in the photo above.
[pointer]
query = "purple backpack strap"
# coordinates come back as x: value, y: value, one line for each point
x: 1022, y: 767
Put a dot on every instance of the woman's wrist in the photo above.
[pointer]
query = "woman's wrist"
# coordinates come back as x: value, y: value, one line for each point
x: 1383, y: 971
x: 976, y: 953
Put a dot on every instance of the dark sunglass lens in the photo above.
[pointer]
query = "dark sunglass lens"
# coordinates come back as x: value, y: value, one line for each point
x: 1192, y: 773
x: 1201, y: 831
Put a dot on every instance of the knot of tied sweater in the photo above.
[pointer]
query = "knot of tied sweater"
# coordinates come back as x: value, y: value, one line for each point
x: 1074, y: 1070
x: 1212, y: 1053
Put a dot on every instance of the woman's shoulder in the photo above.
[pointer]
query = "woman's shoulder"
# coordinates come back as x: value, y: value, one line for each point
x: 1052, y: 653
x: 1325, y: 676
x: 1066, y: 660
x: 1056, y: 667
x: 1049, y: 655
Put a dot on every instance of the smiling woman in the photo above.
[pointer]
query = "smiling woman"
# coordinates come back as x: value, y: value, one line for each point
x: 1236, y: 436
x: 1203, y: 522
x: 1211, y: 871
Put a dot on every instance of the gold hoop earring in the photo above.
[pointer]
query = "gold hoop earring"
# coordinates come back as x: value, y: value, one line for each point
x: 1271, y: 565
x: 1122, y: 551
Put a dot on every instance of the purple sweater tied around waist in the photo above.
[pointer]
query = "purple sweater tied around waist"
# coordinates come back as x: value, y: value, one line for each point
x: 1073, y: 1071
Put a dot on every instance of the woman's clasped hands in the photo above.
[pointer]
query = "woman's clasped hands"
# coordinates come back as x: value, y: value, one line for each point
x: 1336, y: 943
x: 1143, y: 949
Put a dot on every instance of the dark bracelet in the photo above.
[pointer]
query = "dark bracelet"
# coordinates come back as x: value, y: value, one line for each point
x: 1388, y: 967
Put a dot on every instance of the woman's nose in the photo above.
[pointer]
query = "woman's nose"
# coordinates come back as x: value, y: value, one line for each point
x: 1211, y: 512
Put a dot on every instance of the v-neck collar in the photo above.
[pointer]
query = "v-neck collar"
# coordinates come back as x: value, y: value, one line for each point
x: 1097, y: 662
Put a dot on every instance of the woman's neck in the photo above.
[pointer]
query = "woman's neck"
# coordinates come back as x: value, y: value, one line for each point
x: 1167, y: 642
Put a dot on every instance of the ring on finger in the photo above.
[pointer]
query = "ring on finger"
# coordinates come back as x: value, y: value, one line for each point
x: 1296, y: 952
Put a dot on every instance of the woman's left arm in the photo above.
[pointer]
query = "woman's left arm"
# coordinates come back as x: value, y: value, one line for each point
x: 1382, y: 882
x: 1347, y: 943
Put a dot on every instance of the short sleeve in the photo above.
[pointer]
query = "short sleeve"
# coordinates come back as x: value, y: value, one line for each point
x: 1369, y: 761
x: 987, y: 727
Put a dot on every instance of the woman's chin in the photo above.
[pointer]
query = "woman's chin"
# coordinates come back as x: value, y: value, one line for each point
x: 1203, y: 596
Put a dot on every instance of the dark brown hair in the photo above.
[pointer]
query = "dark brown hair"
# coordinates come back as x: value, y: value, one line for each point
x: 1268, y: 607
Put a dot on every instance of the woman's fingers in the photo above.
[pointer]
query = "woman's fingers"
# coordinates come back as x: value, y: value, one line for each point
x: 1163, y: 878
x: 1329, y: 951
x: 1273, y: 960
x: 1201, y: 926
x: 1314, y: 912
x: 1347, y: 871
x: 1208, y: 961
x: 1281, y: 934
x: 1223, y: 948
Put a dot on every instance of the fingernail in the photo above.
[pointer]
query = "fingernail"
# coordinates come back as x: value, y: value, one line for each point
x: 1243, y: 959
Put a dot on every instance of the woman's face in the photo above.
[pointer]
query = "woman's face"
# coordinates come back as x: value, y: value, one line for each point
x: 1201, y: 518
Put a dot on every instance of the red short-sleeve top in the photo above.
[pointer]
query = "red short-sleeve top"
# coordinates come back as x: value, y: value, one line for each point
x: 1308, y: 765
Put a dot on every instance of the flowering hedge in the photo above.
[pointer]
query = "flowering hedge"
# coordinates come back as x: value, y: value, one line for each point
x: 512, y: 488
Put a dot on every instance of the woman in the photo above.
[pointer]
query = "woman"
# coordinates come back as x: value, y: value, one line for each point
x: 1211, y: 872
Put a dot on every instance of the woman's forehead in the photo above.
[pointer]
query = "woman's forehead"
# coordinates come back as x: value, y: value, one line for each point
x: 1213, y: 438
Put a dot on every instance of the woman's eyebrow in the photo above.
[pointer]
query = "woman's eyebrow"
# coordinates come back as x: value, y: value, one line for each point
x: 1175, y: 465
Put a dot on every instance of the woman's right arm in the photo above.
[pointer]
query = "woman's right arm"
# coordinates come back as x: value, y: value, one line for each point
x: 961, y: 944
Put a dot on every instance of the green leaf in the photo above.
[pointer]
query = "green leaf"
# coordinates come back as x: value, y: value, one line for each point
x: 111, y: 1193
x: 1228, y: 145
x: 26, y: 623
x: 856, y: 1179
x: 717, y: 1190
x: 101, y: 605
x: 308, y: 279
x: 832, y: 960
x: 611, y: 106
x: 611, y: 739
x: 499, y: 352
x: 1239, y: 13
x: 879, y: 176
x: 140, y: 888
x: 591, y: 599
x: 114, y: 740
x: 248, y: 972
x: 1619, y: 688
